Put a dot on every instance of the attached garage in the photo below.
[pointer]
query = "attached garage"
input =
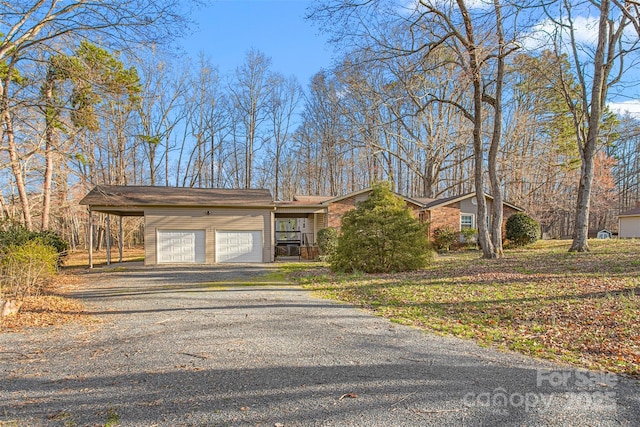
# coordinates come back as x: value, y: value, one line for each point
x: 239, y: 246
x: 181, y: 246
x: 194, y: 225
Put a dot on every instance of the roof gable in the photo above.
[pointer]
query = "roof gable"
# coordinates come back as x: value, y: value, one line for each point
x: 437, y: 203
x: 368, y: 190
x: 310, y: 200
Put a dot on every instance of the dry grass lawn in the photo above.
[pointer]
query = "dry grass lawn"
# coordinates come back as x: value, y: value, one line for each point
x: 579, y: 308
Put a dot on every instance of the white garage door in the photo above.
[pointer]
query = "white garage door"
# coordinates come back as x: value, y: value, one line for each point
x: 239, y: 246
x: 181, y: 246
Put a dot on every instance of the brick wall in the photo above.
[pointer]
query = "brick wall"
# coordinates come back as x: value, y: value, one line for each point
x: 444, y: 216
x: 338, y: 209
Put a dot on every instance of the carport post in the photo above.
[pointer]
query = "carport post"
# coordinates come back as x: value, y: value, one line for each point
x: 107, y: 236
x: 90, y: 238
x: 120, y: 238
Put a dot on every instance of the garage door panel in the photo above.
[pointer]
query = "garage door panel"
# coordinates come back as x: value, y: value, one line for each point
x: 239, y: 246
x: 181, y: 246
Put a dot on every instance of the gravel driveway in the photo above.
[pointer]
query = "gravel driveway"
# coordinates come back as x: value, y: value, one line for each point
x: 171, y: 348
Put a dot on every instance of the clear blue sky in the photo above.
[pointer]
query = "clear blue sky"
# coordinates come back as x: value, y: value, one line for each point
x: 228, y: 29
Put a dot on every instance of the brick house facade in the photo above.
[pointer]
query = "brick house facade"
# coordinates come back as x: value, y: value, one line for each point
x: 455, y: 212
x: 446, y: 212
x: 449, y: 212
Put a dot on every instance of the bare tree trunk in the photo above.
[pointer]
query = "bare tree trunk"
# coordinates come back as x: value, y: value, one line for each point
x: 496, y: 138
x: 588, y: 151
x: 14, y: 160
x: 50, y: 117
x: 488, y: 250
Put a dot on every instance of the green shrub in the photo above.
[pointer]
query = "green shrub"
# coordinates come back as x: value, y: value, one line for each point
x: 522, y: 229
x: 381, y: 235
x: 17, y: 236
x: 327, y: 242
x: 469, y: 237
x: 25, y: 268
x: 14, y: 236
x: 443, y: 238
x: 52, y: 239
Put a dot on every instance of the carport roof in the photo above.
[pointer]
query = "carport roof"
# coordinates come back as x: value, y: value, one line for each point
x: 129, y: 197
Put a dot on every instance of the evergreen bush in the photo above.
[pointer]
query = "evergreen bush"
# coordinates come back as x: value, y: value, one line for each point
x: 25, y: 268
x: 381, y: 235
x: 327, y: 242
x: 522, y: 229
x: 18, y: 235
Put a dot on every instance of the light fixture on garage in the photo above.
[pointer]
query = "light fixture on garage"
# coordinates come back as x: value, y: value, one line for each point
x: 208, y: 212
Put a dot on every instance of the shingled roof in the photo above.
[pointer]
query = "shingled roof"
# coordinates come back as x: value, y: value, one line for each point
x: 633, y: 212
x: 125, y: 195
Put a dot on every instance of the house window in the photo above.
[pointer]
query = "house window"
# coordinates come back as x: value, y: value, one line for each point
x: 466, y: 221
x: 287, y: 229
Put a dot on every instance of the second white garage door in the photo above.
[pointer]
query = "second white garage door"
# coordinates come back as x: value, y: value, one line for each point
x: 239, y: 246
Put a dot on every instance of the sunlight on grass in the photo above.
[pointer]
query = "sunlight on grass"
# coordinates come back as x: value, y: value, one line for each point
x: 579, y: 308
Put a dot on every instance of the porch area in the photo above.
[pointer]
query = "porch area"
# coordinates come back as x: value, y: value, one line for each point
x: 295, y: 232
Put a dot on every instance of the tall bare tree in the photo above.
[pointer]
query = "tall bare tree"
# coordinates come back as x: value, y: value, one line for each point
x: 598, y: 65
x: 476, y: 34
x: 284, y: 98
x: 28, y: 27
x: 249, y: 93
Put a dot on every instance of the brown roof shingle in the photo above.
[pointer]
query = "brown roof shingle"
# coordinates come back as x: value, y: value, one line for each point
x: 311, y: 200
x: 633, y: 212
x: 125, y: 195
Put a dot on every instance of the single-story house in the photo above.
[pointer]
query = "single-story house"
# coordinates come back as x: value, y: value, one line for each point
x: 201, y: 225
x: 629, y: 223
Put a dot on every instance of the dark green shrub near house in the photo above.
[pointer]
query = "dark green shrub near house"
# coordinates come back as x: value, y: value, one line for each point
x: 17, y: 236
x: 381, y: 235
x: 443, y: 238
x: 522, y: 229
x: 327, y: 242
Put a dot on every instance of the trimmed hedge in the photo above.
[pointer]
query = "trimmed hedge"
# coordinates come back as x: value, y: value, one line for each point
x: 522, y: 229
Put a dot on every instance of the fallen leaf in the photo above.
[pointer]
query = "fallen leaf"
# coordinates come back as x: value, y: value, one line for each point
x: 351, y: 395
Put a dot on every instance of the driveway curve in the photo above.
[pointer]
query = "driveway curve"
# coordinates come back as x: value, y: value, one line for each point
x: 219, y: 346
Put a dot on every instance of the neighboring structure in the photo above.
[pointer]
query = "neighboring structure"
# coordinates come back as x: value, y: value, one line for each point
x: 604, y: 234
x: 629, y: 223
x: 207, y: 226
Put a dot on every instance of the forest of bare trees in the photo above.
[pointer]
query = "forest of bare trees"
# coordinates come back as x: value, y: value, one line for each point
x: 438, y: 97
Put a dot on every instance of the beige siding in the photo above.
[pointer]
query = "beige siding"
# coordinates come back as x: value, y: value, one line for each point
x: 310, y: 228
x: 629, y: 227
x: 467, y: 207
x: 319, y: 222
x: 224, y: 219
